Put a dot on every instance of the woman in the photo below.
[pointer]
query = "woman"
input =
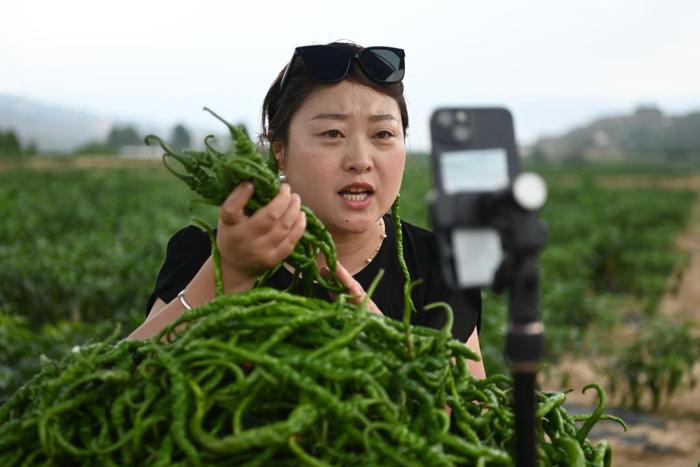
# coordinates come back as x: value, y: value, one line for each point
x: 336, y: 120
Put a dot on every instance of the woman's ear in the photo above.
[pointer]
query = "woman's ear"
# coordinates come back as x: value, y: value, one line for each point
x: 278, y: 149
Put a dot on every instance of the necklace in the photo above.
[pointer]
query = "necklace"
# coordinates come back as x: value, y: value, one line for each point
x: 382, y: 236
x: 381, y: 241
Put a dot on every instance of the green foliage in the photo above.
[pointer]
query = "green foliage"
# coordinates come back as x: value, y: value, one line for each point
x: 414, y: 188
x: 85, y: 245
x: 118, y: 137
x: 494, y: 318
x: 658, y: 361
x: 614, y: 240
x: 31, y: 149
x: 95, y: 147
x: 180, y: 138
x: 22, y: 349
x: 10, y: 145
x: 121, y: 136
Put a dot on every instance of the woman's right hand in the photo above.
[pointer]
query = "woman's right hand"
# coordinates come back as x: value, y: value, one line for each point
x: 250, y: 245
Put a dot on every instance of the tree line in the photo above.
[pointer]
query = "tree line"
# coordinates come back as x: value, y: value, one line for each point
x: 121, y: 136
x: 11, y: 146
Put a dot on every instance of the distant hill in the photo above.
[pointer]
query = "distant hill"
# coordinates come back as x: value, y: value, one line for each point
x: 647, y: 135
x: 51, y: 128
x: 55, y: 129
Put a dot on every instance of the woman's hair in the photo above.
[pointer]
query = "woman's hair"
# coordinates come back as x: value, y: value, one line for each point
x: 280, y: 106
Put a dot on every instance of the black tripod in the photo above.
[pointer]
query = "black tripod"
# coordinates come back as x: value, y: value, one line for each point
x: 522, y: 236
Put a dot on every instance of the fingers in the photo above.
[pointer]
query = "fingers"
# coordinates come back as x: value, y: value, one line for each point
x: 231, y: 211
x: 255, y: 243
x: 282, y: 212
x: 291, y: 215
x: 286, y: 244
x: 280, y: 222
x: 355, y: 289
x: 276, y: 208
x: 284, y: 208
x: 371, y: 306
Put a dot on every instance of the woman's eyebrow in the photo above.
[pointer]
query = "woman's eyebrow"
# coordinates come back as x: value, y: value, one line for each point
x: 330, y: 116
x: 380, y: 117
x: 337, y: 116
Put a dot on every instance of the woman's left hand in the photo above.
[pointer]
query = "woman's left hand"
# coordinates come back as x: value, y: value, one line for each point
x: 354, y: 288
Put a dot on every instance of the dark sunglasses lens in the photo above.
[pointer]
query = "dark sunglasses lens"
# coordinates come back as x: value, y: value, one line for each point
x: 383, y: 65
x: 325, y: 64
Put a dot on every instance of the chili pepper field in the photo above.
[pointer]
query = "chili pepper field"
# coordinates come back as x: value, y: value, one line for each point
x: 81, y: 241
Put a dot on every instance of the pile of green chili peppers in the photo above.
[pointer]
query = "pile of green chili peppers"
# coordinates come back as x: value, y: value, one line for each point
x: 266, y: 376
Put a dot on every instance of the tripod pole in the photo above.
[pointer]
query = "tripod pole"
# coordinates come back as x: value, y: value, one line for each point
x: 525, y: 335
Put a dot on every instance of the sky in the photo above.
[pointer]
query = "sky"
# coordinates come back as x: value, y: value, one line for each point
x: 554, y: 63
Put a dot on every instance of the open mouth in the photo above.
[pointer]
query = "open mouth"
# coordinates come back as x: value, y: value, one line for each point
x: 356, y: 193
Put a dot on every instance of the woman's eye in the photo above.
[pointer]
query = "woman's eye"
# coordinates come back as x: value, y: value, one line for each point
x: 333, y: 134
x: 384, y: 134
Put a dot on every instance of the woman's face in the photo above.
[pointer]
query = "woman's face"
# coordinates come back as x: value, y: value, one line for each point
x: 345, y: 155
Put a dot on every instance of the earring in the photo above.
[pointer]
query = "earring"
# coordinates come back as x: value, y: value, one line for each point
x: 282, y: 177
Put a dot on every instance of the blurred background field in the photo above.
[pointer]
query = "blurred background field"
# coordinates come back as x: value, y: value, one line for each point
x: 82, y: 239
x: 80, y: 249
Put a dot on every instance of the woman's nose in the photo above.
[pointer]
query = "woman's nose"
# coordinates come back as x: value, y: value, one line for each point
x: 359, y: 156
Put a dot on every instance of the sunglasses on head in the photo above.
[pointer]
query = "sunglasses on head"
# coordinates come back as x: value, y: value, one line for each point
x: 330, y: 64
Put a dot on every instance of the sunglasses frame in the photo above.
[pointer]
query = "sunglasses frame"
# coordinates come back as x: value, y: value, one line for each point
x: 298, y: 52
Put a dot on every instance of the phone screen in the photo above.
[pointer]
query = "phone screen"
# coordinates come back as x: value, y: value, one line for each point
x: 481, y: 254
x: 472, y: 170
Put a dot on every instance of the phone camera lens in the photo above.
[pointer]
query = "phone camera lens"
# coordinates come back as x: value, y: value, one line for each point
x: 445, y: 119
x: 461, y: 133
x: 461, y: 116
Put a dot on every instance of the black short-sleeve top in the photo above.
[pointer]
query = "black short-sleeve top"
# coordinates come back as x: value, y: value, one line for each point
x: 190, y: 247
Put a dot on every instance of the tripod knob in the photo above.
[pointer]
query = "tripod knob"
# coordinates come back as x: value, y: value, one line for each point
x: 529, y: 191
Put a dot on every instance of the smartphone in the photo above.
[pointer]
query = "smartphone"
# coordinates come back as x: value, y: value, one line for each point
x: 474, y: 158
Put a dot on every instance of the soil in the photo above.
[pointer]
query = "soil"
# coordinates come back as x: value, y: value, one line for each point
x: 670, y: 436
